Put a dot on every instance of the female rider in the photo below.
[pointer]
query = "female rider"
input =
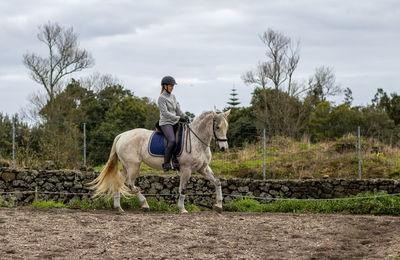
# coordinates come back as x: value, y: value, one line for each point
x: 170, y: 115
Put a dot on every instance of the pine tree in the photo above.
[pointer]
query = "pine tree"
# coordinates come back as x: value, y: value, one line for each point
x: 233, y: 100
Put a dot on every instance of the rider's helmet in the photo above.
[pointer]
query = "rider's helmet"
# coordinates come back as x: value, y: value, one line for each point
x: 168, y: 80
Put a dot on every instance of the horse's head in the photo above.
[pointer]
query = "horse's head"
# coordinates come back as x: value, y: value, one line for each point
x: 220, y: 127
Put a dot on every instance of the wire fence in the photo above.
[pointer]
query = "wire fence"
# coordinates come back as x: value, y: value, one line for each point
x: 211, y: 194
x: 262, y: 156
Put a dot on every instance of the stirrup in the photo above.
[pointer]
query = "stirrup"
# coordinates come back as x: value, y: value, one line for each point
x: 166, y: 167
x: 176, y: 165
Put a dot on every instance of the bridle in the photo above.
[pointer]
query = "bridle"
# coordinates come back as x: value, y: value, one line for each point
x: 215, y: 135
x: 201, y: 141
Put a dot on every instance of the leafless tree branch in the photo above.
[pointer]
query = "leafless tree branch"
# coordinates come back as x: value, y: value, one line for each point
x: 64, y: 57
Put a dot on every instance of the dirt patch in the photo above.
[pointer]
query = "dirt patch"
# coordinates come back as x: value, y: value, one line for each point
x: 75, y: 234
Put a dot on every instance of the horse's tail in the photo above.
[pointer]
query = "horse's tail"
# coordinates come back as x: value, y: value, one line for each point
x: 110, y: 179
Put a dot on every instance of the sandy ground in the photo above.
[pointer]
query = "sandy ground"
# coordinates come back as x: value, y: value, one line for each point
x: 75, y: 234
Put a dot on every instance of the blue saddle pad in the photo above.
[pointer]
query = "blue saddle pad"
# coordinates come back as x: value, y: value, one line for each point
x: 156, y: 144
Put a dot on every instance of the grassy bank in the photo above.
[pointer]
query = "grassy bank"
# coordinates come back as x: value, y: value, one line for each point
x: 287, y: 158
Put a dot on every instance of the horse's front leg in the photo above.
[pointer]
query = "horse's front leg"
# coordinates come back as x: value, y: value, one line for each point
x: 185, y: 176
x: 208, y: 173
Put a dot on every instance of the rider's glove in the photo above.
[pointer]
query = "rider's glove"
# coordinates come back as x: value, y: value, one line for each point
x: 184, y: 119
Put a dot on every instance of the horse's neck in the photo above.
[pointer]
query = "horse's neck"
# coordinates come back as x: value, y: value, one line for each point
x: 203, y: 128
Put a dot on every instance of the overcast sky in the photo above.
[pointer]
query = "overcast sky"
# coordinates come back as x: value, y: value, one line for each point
x: 206, y: 45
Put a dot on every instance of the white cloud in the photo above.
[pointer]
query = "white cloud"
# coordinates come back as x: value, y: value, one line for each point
x: 206, y: 45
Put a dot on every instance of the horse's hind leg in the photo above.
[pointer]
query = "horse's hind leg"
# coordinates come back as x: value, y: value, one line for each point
x: 132, y: 172
x: 208, y: 173
x: 117, y: 197
x: 117, y: 201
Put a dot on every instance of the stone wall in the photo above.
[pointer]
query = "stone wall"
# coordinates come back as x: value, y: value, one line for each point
x: 69, y: 184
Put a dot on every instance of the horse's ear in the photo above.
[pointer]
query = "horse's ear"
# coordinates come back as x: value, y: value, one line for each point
x: 227, y: 113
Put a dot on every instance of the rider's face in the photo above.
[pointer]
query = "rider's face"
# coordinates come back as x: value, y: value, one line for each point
x: 170, y: 88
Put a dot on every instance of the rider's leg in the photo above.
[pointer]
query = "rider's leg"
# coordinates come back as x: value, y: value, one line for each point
x: 175, y: 162
x: 170, y: 136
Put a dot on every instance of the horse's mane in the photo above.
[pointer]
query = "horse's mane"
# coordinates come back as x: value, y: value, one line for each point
x: 199, y: 120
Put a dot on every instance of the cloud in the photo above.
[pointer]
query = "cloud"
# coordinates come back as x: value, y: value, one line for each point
x: 207, y: 45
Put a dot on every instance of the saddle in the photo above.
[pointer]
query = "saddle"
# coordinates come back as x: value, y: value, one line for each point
x: 158, y: 142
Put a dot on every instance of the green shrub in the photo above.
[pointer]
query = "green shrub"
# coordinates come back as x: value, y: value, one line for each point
x: 7, y: 201
x: 244, y: 205
x: 47, y: 204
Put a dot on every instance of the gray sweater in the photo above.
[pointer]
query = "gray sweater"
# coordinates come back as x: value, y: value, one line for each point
x: 170, y: 112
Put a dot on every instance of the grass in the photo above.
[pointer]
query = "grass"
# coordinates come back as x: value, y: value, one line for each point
x: 128, y: 203
x: 359, y: 204
x: 373, y: 203
x: 47, y: 204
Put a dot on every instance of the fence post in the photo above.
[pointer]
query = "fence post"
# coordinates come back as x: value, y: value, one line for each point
x: 84, y: 144
x: 13, y: 142
x: 359, y: 152
x: 264, y: 166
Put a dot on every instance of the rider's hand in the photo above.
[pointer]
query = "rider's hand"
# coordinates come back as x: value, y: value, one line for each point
x: 184, y: 119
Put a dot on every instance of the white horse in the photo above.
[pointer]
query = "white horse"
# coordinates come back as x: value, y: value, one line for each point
x: 131, y: 148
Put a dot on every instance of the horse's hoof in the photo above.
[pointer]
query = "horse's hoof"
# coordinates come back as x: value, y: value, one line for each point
x: 119, y: 210
x: 183, y: 211
x: 145, y: 209
x: 217, y: 208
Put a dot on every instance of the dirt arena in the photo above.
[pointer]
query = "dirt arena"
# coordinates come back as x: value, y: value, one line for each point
x: 75, y: 234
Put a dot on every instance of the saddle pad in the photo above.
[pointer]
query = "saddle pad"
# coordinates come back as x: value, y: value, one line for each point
x: 156, y: 144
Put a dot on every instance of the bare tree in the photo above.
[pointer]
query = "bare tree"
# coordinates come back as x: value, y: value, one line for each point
x: 97, y: 82
x: 323, y: 83
x: 275, y: 97
x: 282, y: 59
x: 64, y: 57
x: 292, y: 61
x: 258, y: 78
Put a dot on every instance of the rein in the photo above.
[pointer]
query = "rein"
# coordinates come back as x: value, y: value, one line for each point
x: 188, y: 136
x: 207, y: 145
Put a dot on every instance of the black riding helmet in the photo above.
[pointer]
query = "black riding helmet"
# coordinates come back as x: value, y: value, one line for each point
x: 168, y: 80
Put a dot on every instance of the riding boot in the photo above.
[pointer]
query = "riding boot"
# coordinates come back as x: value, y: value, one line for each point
x: 166, y: 166
x: 167, y: 158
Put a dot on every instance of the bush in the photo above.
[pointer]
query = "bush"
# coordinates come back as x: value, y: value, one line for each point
x: 7, y: 201
x: 47, y: 204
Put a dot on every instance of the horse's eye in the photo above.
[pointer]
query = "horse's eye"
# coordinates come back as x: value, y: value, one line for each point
x: 217, y: 127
